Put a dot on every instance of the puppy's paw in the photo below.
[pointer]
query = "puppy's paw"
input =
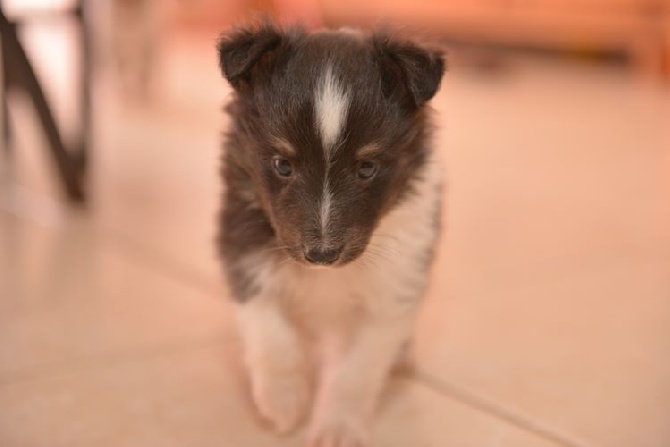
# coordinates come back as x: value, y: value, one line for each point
x: 338, y: 430
x: 281, y: 399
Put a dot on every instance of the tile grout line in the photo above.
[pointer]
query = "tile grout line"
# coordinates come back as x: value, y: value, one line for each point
x: 480, y: 403
x: 45, y: 214
x: 162, y: 263
x: 79, y: 363
x: 44, y: 211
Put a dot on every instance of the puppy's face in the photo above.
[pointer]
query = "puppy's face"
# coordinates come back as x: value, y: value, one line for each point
x: 330, y: 128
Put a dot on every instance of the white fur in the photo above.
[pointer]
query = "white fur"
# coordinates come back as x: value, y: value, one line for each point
x: 351, y: 31
x: 331, y: 107
x: 357, y: 317
x: 325, y: 207
x: 274, y: 359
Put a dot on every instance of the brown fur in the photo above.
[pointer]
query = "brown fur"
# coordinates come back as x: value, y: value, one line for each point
x: 275, y: 74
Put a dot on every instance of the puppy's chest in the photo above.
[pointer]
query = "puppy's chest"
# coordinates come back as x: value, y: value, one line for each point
x: 321, y: 299
x: 388, y: 279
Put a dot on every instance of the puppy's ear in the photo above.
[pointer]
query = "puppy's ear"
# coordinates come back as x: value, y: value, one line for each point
x: 408, y: 66
x: 241, y: 50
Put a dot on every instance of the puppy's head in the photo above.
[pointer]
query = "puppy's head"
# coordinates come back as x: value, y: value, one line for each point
x: 330, y: 129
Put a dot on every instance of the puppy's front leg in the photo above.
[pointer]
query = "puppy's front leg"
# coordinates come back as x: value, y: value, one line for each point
x: 275, y: 362
x: 353, y: 377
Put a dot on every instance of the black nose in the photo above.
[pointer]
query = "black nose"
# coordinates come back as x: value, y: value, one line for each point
x: 322, y: 256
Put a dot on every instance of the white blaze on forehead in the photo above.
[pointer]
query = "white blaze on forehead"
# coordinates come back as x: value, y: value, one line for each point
x: 331, y: 105
x: 324, y: 211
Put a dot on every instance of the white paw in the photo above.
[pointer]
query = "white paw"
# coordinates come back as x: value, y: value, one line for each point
x: 281, y: 399
x: 338, y: 431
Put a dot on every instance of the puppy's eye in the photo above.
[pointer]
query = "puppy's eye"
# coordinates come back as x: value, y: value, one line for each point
x: 366, y: 169
x: 282, y: 166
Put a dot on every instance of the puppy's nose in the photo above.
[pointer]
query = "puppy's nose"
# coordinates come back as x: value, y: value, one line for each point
x: 322, y: 256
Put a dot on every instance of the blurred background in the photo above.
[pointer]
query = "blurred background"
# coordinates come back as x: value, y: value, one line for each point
x: 548, y: 318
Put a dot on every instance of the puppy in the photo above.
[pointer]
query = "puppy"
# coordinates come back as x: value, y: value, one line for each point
x: 330, y: 216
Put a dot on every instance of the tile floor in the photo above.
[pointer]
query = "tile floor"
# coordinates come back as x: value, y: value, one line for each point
x: 548, y: 322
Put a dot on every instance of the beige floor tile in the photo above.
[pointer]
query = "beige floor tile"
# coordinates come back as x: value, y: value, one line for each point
x: 583, y: 353
x: 197, y: 397
x: 552, y: 294
x: 417, y: 416
x: 68, y: 294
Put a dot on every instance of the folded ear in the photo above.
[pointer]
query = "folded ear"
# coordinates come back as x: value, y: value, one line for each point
x: 406, y: 65
x: 242, y: 49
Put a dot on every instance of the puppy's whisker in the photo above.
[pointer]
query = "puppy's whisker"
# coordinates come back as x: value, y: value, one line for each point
x: 383, y: 250
x: 374, y: 257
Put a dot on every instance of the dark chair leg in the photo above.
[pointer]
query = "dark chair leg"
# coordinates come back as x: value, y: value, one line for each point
x: 19, y: 72
x: 82, y: 151
x: 4, y: 90
x: 6, y: 130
